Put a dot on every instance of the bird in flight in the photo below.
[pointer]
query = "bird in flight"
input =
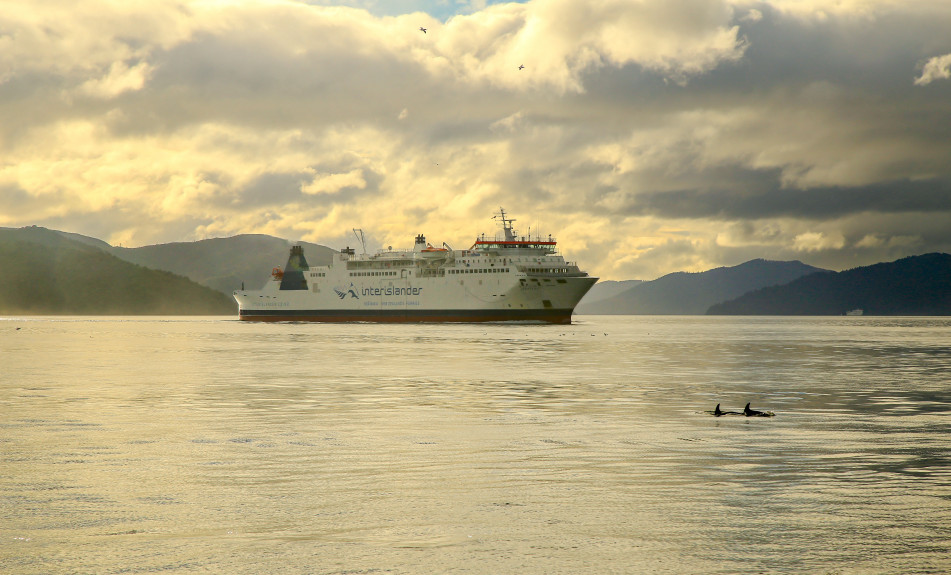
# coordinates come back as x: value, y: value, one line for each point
x: 520, y: 66
x: 421, y: 29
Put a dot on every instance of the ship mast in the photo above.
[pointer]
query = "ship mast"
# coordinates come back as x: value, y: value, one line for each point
x: 506, y: 225
x: 358, y: 232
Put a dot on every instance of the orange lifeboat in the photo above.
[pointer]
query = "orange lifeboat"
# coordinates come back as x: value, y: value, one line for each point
x: 431, y: 252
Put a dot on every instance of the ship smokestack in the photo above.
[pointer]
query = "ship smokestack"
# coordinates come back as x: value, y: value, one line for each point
x: 294, y: 270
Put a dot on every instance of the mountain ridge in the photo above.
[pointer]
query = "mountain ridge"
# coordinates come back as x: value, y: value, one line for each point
x: 692, y: 293
x: 224, y: 264
x: 47, y: 273
x: 914, y: 285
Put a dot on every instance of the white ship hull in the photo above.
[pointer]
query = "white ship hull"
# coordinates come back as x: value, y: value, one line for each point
x: 496, y: 280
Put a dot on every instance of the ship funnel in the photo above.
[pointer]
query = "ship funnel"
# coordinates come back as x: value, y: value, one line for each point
x: 420, y: 243
x: 294, y: 270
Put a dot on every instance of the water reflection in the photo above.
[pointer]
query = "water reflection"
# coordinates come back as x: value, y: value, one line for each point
x: 203, y: 445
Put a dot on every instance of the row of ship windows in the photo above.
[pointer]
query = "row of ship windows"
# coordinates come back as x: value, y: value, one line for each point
x: 462, y: 271
x: 393, y: 274
x: 479, y: 271
x: 374, y: 274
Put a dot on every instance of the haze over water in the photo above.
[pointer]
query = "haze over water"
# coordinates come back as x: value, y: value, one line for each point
x: 193, y: 445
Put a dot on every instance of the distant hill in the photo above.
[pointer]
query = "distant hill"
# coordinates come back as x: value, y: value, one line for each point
x: 224, y: 263
x: 607, y: 289
x: 917, y: 285
x: 47, y: 272
x: 685, y: 293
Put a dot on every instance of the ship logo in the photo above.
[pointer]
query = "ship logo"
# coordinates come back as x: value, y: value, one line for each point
x: 342, y: 294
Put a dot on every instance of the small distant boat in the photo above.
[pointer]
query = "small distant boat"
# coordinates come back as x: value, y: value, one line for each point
x: 856, y: 311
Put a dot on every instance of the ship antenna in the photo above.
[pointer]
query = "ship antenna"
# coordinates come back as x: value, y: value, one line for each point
x: 506, y: 224
x: 359, y: 234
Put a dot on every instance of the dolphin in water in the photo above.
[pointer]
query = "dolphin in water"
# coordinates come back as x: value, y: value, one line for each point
x: 717, y: 412
x: 754, y: 413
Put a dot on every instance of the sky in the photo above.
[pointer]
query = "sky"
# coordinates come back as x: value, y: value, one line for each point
x: 647, y: 136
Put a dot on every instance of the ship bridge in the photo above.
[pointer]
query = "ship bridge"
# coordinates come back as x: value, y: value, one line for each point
x: 510, y: 243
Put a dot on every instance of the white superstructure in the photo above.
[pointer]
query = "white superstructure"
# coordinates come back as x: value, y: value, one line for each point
x: 508, y: 278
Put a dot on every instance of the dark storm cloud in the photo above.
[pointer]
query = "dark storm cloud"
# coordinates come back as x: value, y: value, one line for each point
x: 878, y: 53
x: 281, y: 189
x: 774, y: 201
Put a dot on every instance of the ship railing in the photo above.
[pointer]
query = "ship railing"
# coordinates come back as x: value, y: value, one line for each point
x: 529, y: 238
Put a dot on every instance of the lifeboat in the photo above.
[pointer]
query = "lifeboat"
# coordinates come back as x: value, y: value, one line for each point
x: 433, y: 252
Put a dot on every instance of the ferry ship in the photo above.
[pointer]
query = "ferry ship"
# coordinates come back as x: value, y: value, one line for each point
x: 508, y: 278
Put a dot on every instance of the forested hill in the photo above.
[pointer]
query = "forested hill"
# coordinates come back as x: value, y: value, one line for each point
x: 224, y: 264
x: 917, y: 285
x: 44, y: 272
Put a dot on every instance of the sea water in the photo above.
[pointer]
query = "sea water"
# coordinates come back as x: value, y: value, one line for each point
x: 210, y: 445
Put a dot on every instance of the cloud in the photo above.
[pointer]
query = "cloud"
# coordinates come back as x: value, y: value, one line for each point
x: 818, y: 241
x: 765, y: 197
x: 753, y: 15
x: 333, y: 183
x: 648, y: 135
x: 558, y: 44
x: 937, y: 68
x: 56, y: 38
x: 120, y: 78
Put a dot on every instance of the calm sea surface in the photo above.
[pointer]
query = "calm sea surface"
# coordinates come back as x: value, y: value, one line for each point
x: 209, y: 445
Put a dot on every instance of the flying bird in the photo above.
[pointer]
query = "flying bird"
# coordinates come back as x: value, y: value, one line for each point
x: 421, y: 29
x: 520, y: 66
